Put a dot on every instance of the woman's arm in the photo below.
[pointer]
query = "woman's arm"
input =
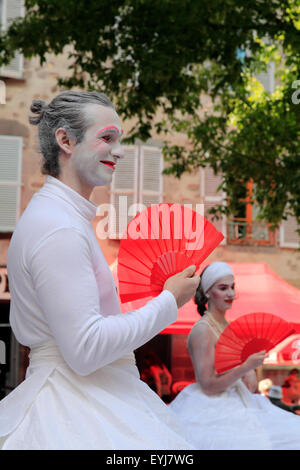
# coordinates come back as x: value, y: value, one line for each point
x: 202, y: 350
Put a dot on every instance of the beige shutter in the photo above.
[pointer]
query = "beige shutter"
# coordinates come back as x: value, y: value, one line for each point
x: 150, y: 180
x: 289, y: 238
x: 124, y: 191
x: 11, y: 9
x: 10, y: 181
x: 212, y: 197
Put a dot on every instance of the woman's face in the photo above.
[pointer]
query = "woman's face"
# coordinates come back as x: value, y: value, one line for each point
x: 221, y: 295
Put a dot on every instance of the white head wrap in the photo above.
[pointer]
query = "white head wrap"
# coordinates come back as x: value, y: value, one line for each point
x: 213, y: 273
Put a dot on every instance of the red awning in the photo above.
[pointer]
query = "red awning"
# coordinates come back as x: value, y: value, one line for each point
x: 258, y: 288
x: 285, y: 353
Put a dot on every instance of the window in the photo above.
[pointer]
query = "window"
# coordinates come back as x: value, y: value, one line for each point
x: 211, y: 197
x: 267, y: 79
x: 10, y: 181
x: 9, y: 10
x: 138, y: 180
x: 289, y: 238
x: 243, y: 228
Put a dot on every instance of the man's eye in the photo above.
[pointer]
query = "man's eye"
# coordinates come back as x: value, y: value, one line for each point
x: 107, y: 138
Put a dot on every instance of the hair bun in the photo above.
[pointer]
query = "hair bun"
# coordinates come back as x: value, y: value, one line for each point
x: 38, y: 106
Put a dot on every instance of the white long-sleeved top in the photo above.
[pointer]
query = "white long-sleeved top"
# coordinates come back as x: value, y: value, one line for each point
x: 62, y: 288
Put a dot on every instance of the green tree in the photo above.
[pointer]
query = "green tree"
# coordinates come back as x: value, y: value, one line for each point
x: 249, y: 134
x: 165, y: 54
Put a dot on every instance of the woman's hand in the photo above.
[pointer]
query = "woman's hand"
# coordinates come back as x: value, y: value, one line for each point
x: 250, y: 381
x: 254, y: 361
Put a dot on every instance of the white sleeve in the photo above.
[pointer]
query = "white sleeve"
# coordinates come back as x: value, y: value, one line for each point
x: 68, y: 294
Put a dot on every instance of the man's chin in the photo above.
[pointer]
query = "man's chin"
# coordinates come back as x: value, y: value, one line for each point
x: 99, y: 181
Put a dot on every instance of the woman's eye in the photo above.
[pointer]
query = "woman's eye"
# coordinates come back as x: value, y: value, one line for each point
x: 107, y: 138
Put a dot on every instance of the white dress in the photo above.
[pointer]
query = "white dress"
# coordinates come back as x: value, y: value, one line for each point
x: 235, y: 419
x: 82, y: 388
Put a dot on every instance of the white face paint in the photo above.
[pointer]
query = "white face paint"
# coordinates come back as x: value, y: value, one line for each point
x: 222, y: 293
x: 95, y: 158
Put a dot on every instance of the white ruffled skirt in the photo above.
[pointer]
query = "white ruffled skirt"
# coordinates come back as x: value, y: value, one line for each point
x: 110, y: 409
x: 235, y: 420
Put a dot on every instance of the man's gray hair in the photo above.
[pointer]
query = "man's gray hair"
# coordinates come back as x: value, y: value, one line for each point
x: 66, y: 110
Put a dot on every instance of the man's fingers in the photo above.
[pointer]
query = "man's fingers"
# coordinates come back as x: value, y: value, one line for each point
x: 189, y: 271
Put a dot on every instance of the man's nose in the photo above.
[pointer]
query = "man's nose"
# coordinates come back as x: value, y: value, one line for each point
x: 118, y: 151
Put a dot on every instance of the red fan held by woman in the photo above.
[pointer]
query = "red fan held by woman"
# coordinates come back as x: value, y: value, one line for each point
x: 247, y: 335
x: 159, y: 242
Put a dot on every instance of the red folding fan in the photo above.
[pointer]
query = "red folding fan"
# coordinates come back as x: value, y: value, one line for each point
x: 247, y: 335
x: 159, y: 242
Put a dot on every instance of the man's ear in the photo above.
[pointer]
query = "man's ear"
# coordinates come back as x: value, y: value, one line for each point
x: 65, y: 142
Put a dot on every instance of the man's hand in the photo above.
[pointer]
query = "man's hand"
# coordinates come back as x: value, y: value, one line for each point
x: 183, y: 285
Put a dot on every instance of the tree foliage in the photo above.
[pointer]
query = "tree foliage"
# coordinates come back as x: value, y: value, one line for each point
x: 168, y: 54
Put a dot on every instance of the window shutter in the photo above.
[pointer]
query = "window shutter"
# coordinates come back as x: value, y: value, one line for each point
x: 123, y: 192
x: 267, y: 79
x: 11, y: 9
x: 10, y: 181
x: 212, y: 182
x: 212, y: 198
x: 151, y: 181
x: 289, y: 238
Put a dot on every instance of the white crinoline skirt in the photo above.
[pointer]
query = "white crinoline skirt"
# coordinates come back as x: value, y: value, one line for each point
x: 110, y: 409
x: 235, y: 420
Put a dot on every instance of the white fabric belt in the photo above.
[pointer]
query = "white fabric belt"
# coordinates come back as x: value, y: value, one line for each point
x: 45, y: 353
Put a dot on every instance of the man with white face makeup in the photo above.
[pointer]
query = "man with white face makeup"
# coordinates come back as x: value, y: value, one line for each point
x: 82, y: 388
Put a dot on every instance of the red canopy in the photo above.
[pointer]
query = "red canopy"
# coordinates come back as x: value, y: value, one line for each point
x: 258, y: 288
x: 285, y: 353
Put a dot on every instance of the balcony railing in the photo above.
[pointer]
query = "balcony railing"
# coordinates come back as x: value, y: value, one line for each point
x: 242, y: 232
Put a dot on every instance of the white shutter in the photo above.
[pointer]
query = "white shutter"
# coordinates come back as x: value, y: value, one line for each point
x: 289, y: 238
x: 124, y: 192
x: 151, y: 180
x: 137, y: 183
x: 213, y: 198
x: 10, y: 181
x: 11, y: 9
x: 267, y: 79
